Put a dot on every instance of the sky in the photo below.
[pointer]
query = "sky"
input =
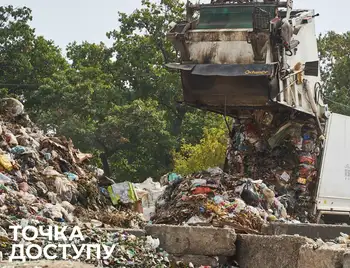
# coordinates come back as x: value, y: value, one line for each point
x: 65, y: 21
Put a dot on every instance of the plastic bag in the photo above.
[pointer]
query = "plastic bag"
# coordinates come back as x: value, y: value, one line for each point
x: 154, y: 189
x: 173, y: 178
x: 123, y: 192
x: 198, y: 182
x: 5, y: 161
x: 52, y: 197
x: 280, y: 210
x: 307, y: 158
x: 239, y: 205
x: 249, y: 196
x: 11, y: 139
x: 53, y: 211
x: 51, y: 172
x: 64, y: 189
x: 71, y: 176
x: 4, y: 179
x: 2, y: 198
x: 218, y: 199
x: 152, y: 243
x: 68, y: 206
x: 195, y: 220
x: 29, y: 198
x: 41, y: 188
x: 18, y: 149
x: 215, y: 171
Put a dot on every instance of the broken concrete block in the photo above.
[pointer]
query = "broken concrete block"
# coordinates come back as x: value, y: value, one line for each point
x: 346, y: 260
x: 194, y: 240
x: 257, y: 251
x: 314, y: 231
x: 322, y: 257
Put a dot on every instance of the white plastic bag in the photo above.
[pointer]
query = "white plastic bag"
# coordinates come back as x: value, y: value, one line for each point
x: 4, y: 179
x: 154, y: 191
x: 51, y: 172
x: 68, y: 206
x: 11, y: 139
x: 152, y: 243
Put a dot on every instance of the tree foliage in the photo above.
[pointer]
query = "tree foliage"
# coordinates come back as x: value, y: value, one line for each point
x: 210, y: 152
x: 335, y: 63
x: 25, y: 59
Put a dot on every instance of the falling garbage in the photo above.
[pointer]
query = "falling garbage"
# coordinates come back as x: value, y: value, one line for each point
x: 270, y: 176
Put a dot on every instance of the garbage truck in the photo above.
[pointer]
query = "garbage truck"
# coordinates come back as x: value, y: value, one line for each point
x: 239, y: 56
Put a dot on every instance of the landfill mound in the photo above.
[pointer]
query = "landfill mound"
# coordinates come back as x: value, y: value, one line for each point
x: 44, y: 179
x: 272, y: 173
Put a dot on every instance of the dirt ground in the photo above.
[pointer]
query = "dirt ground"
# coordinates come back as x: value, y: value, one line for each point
x: 45, y: 264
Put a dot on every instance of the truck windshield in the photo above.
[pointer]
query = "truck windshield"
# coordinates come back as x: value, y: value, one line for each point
x: 231, y: 17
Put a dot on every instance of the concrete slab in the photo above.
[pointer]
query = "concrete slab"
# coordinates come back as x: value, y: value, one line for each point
x: 255, y: 251
x: 346, y: 260
x: 194, y: 240
x: 314, y: 231
x: 320, y: 258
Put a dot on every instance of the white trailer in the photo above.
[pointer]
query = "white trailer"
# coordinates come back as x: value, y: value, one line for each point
x: 333, y: 193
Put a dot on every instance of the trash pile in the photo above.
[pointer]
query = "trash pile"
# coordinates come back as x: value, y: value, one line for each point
x: 215, y: 198
x: 44, y: 178
x: 282, y: 150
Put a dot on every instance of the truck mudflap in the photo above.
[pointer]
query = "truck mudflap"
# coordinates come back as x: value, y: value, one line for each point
x: 228, y: 87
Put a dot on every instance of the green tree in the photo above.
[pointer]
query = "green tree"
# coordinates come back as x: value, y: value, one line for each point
x: 147, y: 150
x: 141, y: 50
x: 25, y: 58
x: 85, y: 103
x: 335, y: 64
x: 210, y: 152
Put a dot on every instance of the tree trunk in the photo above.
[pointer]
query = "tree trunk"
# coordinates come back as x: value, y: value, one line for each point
x: 106, y: 168
x: 181, y: 112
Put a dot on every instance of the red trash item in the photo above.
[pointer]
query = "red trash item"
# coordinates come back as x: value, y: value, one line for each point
x: 306, y: 170
x: 307, y: 160
x: 202, y: 190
